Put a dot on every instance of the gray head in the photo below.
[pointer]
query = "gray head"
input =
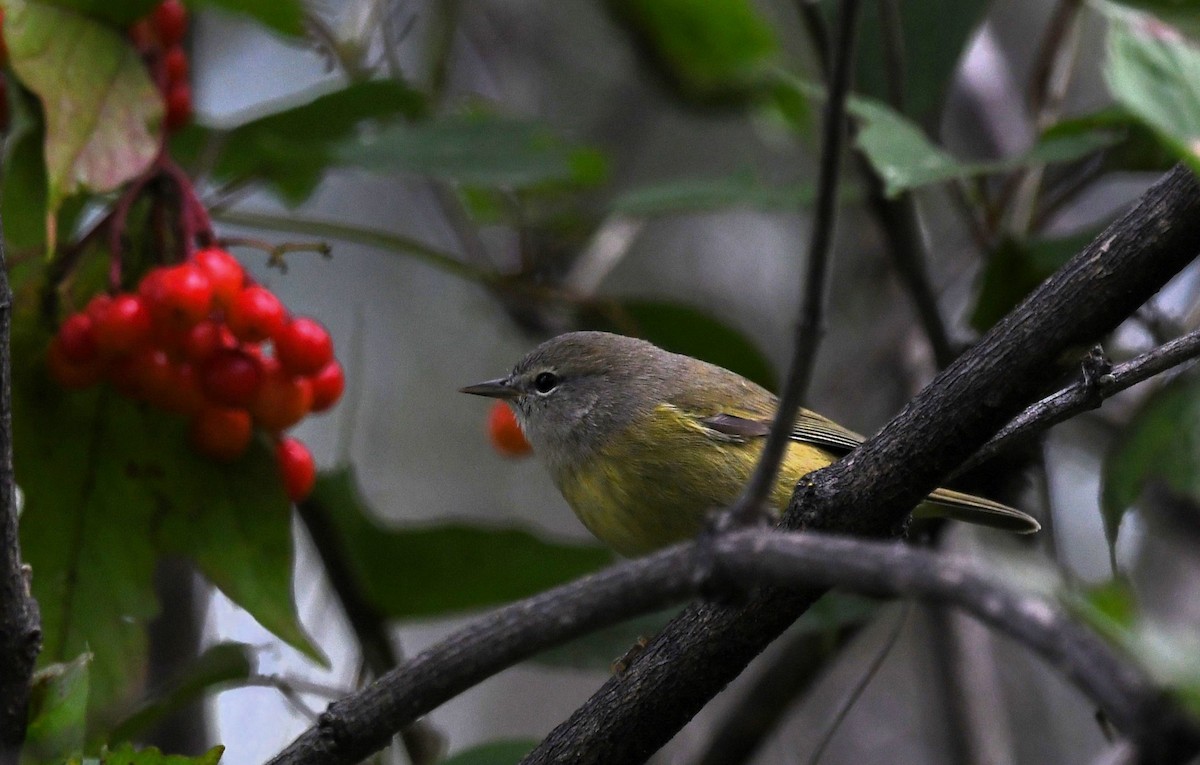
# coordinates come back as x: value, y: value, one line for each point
x: 575, y: 391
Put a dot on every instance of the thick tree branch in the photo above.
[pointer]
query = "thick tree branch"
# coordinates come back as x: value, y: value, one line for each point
x: 20, y: 624
x: 871, y: 491
x: 363, y: 722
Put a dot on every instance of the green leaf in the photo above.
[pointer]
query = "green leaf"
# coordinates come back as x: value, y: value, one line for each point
x: 930, y: 61
x: 690, y: 331
x: 906, y: 159
x: 1155, y: 74
x: 1014, y: 268
x: 58, y: 711
x: 291, y: 148
x: 219, y: 665
x: 283, y: 16
x: 743, y: 190
x: 1161, y: 442
x: 111, y: 486
x: 120, y: 14
x: 1137, y: 148
x: 478, y: 149
x: 127, y: 755
x: 103, y: 114
x: 447, y: 568
x: 494, y: 753
x: 705, y: 49
x: 1109, y: 608
x: 1184, y: 15
x: 23, y: 198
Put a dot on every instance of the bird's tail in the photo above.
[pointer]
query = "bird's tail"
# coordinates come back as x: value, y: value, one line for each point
x: 972, y: 509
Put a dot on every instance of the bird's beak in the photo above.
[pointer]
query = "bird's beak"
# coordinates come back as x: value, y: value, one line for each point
x: 499, y: 388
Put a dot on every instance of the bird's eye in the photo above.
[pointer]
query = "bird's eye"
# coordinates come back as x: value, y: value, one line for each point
x: 545, y: 382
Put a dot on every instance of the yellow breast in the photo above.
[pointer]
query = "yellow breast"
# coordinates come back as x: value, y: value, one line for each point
x: 656, y: 483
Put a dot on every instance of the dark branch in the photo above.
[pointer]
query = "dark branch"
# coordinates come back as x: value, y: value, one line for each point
x: 362, y: 723
x: 1087, y: 394
x: 20, y: 623
x: 809, y: 328
x: 421, y: 742
x: 871, y: 490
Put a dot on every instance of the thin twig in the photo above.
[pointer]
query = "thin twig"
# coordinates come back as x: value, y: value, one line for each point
x: 1087, y: 394
x: 362, y: 723
x: 20, y: 621
x: 422, y: 742
x: 855, y: 693
x: 739, y: 736
x: 809, y: 327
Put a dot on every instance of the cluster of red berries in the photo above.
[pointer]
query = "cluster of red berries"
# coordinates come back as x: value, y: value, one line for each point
x: 159, y: 38
x: 192, y: 340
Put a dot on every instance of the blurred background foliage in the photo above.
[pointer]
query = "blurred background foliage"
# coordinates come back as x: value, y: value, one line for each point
x: 491, y: 173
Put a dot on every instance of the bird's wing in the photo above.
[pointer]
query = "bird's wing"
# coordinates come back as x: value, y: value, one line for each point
x: 810, y: 428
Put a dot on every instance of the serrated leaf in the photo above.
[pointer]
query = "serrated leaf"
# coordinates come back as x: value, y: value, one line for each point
x: 447, y: 568
x: 711, y: 194
x: 479, y: 149
x: 103, y: 114
x: 494, y: 753
x: 1161, y: 442
x: 219, y: 665
x: 291, y: 148
x: 126, y: 754
x: 1155, y: 73
x: 283, y: 16
x: 111, y: 486
x: 683, y: 329
x: 706, y: 49
x: 58, y: 711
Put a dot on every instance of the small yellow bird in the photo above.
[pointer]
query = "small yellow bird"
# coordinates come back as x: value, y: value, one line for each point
x: 644, y: 443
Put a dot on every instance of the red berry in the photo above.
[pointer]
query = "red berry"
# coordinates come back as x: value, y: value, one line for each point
x: 124, y: 327
x: 182, y: 395
x: 224, y: 272
x: 297, y: 467
x: 154, y: 376
x: 255, y: 315
x: 303, y: 346
x: 175, y: 64
x: 170, y: 21
x: 98, y: 306
x: 77, y: 338
x: 141, y: 34
x: 231, y: 378
x: 206, y: 338
x: 179, y: 105
x: 282, y: 400
x: 69, y: 374
x: 327, y: 386
x: 221, y: 434
x: 505, y: 433
x: 179, y: 296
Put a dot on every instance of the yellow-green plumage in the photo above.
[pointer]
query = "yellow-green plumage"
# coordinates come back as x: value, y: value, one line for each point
x: 644, y: 444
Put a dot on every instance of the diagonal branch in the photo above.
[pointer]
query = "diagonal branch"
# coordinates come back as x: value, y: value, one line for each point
x: 871, y: 491
x: 359, y: 724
